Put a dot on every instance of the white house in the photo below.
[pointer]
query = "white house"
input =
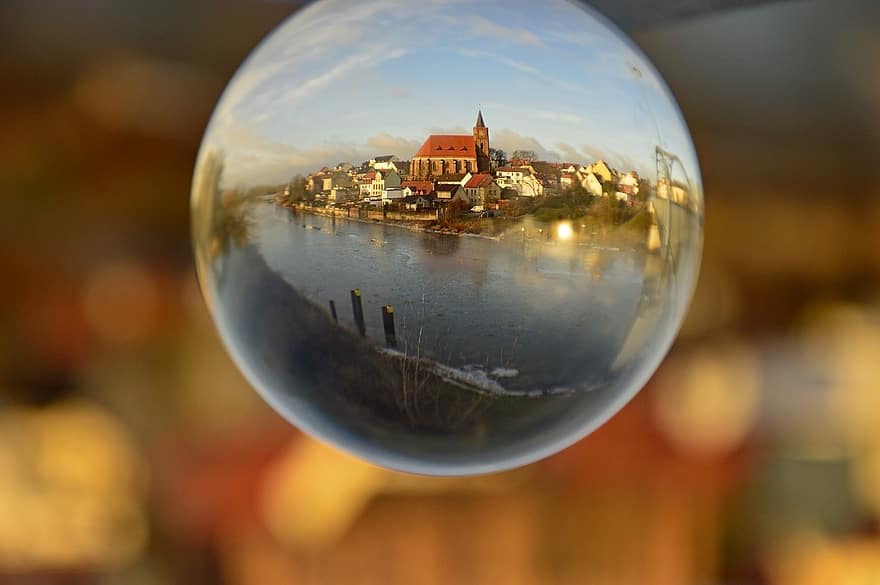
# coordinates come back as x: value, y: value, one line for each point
x: 366, y: 184
x: 384, y: 163
x: 629, y: 183
x: 509, y: 177
x: 521, y: 179
x: 530, y: 186
x: 393, y: 194
x: 383, y: 180
x: 568, y: 180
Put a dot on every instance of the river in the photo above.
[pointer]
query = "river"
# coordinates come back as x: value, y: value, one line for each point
x: 526, y: 311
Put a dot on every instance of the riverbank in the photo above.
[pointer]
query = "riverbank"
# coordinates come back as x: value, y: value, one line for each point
x: 633, y: 233
x: 300, y: 352
x: 450, y: 230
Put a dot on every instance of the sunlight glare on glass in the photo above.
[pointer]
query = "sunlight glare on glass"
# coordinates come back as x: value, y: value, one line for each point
x: 564, y: 231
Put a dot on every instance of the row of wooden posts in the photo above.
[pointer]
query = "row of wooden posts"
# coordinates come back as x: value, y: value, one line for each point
x: 357, y: 308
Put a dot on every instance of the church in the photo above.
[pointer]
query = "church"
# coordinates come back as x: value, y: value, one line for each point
x: 451, y: 154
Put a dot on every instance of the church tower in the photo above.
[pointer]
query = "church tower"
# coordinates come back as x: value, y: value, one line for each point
x: 481, y: 142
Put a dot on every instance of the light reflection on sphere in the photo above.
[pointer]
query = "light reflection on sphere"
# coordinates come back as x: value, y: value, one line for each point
x: 392, y: 283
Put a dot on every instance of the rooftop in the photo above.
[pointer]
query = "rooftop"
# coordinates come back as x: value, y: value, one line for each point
x: 448, y: 145
x: 479, y: 181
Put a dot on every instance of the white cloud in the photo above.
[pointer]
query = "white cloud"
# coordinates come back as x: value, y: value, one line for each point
x: 251, y: 161
x: 483, y: 26
x: 525, y: 68
x: 387, y: 144
x: 509, y: 141
x: 303, y: 89
x: 570, y: 153
x: 289, y: 87
x: 372, y: 58
x: 621, y: 162
x: 566, y: 117
x: 448, y: 130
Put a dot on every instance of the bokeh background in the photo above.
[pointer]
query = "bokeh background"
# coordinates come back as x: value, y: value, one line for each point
x: 132, y: 451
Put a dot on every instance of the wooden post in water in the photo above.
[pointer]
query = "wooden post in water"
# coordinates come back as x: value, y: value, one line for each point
x: 333, y: 311
x: 388, y: 323
x: 357, y: 308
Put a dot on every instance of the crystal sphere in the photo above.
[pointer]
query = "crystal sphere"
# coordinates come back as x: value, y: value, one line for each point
x: 450, y: 237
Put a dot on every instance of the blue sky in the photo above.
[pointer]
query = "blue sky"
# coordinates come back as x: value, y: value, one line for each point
x: 346, y: 80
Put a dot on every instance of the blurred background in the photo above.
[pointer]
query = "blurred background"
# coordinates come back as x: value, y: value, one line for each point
x: 132, y: 451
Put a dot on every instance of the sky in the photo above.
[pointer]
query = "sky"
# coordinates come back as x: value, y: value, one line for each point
x: 348, y: 80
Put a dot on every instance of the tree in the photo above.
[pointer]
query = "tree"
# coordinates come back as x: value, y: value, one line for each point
x: 497, y: 158
x: 578, y: 192
x: 525, y: 155
x: 299, y: 189
x: 455, y: 208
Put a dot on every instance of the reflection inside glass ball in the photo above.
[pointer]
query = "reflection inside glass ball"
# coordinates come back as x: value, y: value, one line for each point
x: 451, y: 237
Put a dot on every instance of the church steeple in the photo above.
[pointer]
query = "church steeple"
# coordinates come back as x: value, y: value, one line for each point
x: 481, y: 143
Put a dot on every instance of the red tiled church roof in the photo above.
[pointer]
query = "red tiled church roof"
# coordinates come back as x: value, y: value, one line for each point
x: 448, y: 146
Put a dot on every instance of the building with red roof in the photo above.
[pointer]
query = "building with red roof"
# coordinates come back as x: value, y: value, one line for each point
x: 419, y: 187
x: 448, y: 154
x: 482, y: 190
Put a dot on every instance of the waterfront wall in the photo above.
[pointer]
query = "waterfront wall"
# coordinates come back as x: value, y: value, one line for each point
x: 428, y: 215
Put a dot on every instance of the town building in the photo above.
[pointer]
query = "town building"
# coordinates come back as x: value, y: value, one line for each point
x: 601, y: 169
x: 629, y: 183
x: 521, y: 180
x: 450, y: 192
x: 418, y: 187
x: 450, y: 154
x: 383, y: 163
x: 420, y: 202
x: 393, y: 194
x: 456, y: 179
x: 482, y: 190
x: 592, y: 183
x: 365, y: 183
x: 547, y: 172
x: 339, y: 195
x: 389, y: 162
x: 382, y: 181
x: 335, y: 180
x: 569, y: 180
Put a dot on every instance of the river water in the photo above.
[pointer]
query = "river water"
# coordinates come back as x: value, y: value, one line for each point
x: 527, y: 312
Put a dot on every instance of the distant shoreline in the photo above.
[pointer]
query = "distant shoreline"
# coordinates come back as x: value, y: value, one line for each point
x: 414, y: 227
x: 612, y: 239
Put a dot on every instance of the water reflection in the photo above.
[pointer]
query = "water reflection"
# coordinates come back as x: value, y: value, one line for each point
x: 458, y: 307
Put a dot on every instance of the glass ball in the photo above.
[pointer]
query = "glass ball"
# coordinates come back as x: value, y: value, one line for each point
x: 449, y: 237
